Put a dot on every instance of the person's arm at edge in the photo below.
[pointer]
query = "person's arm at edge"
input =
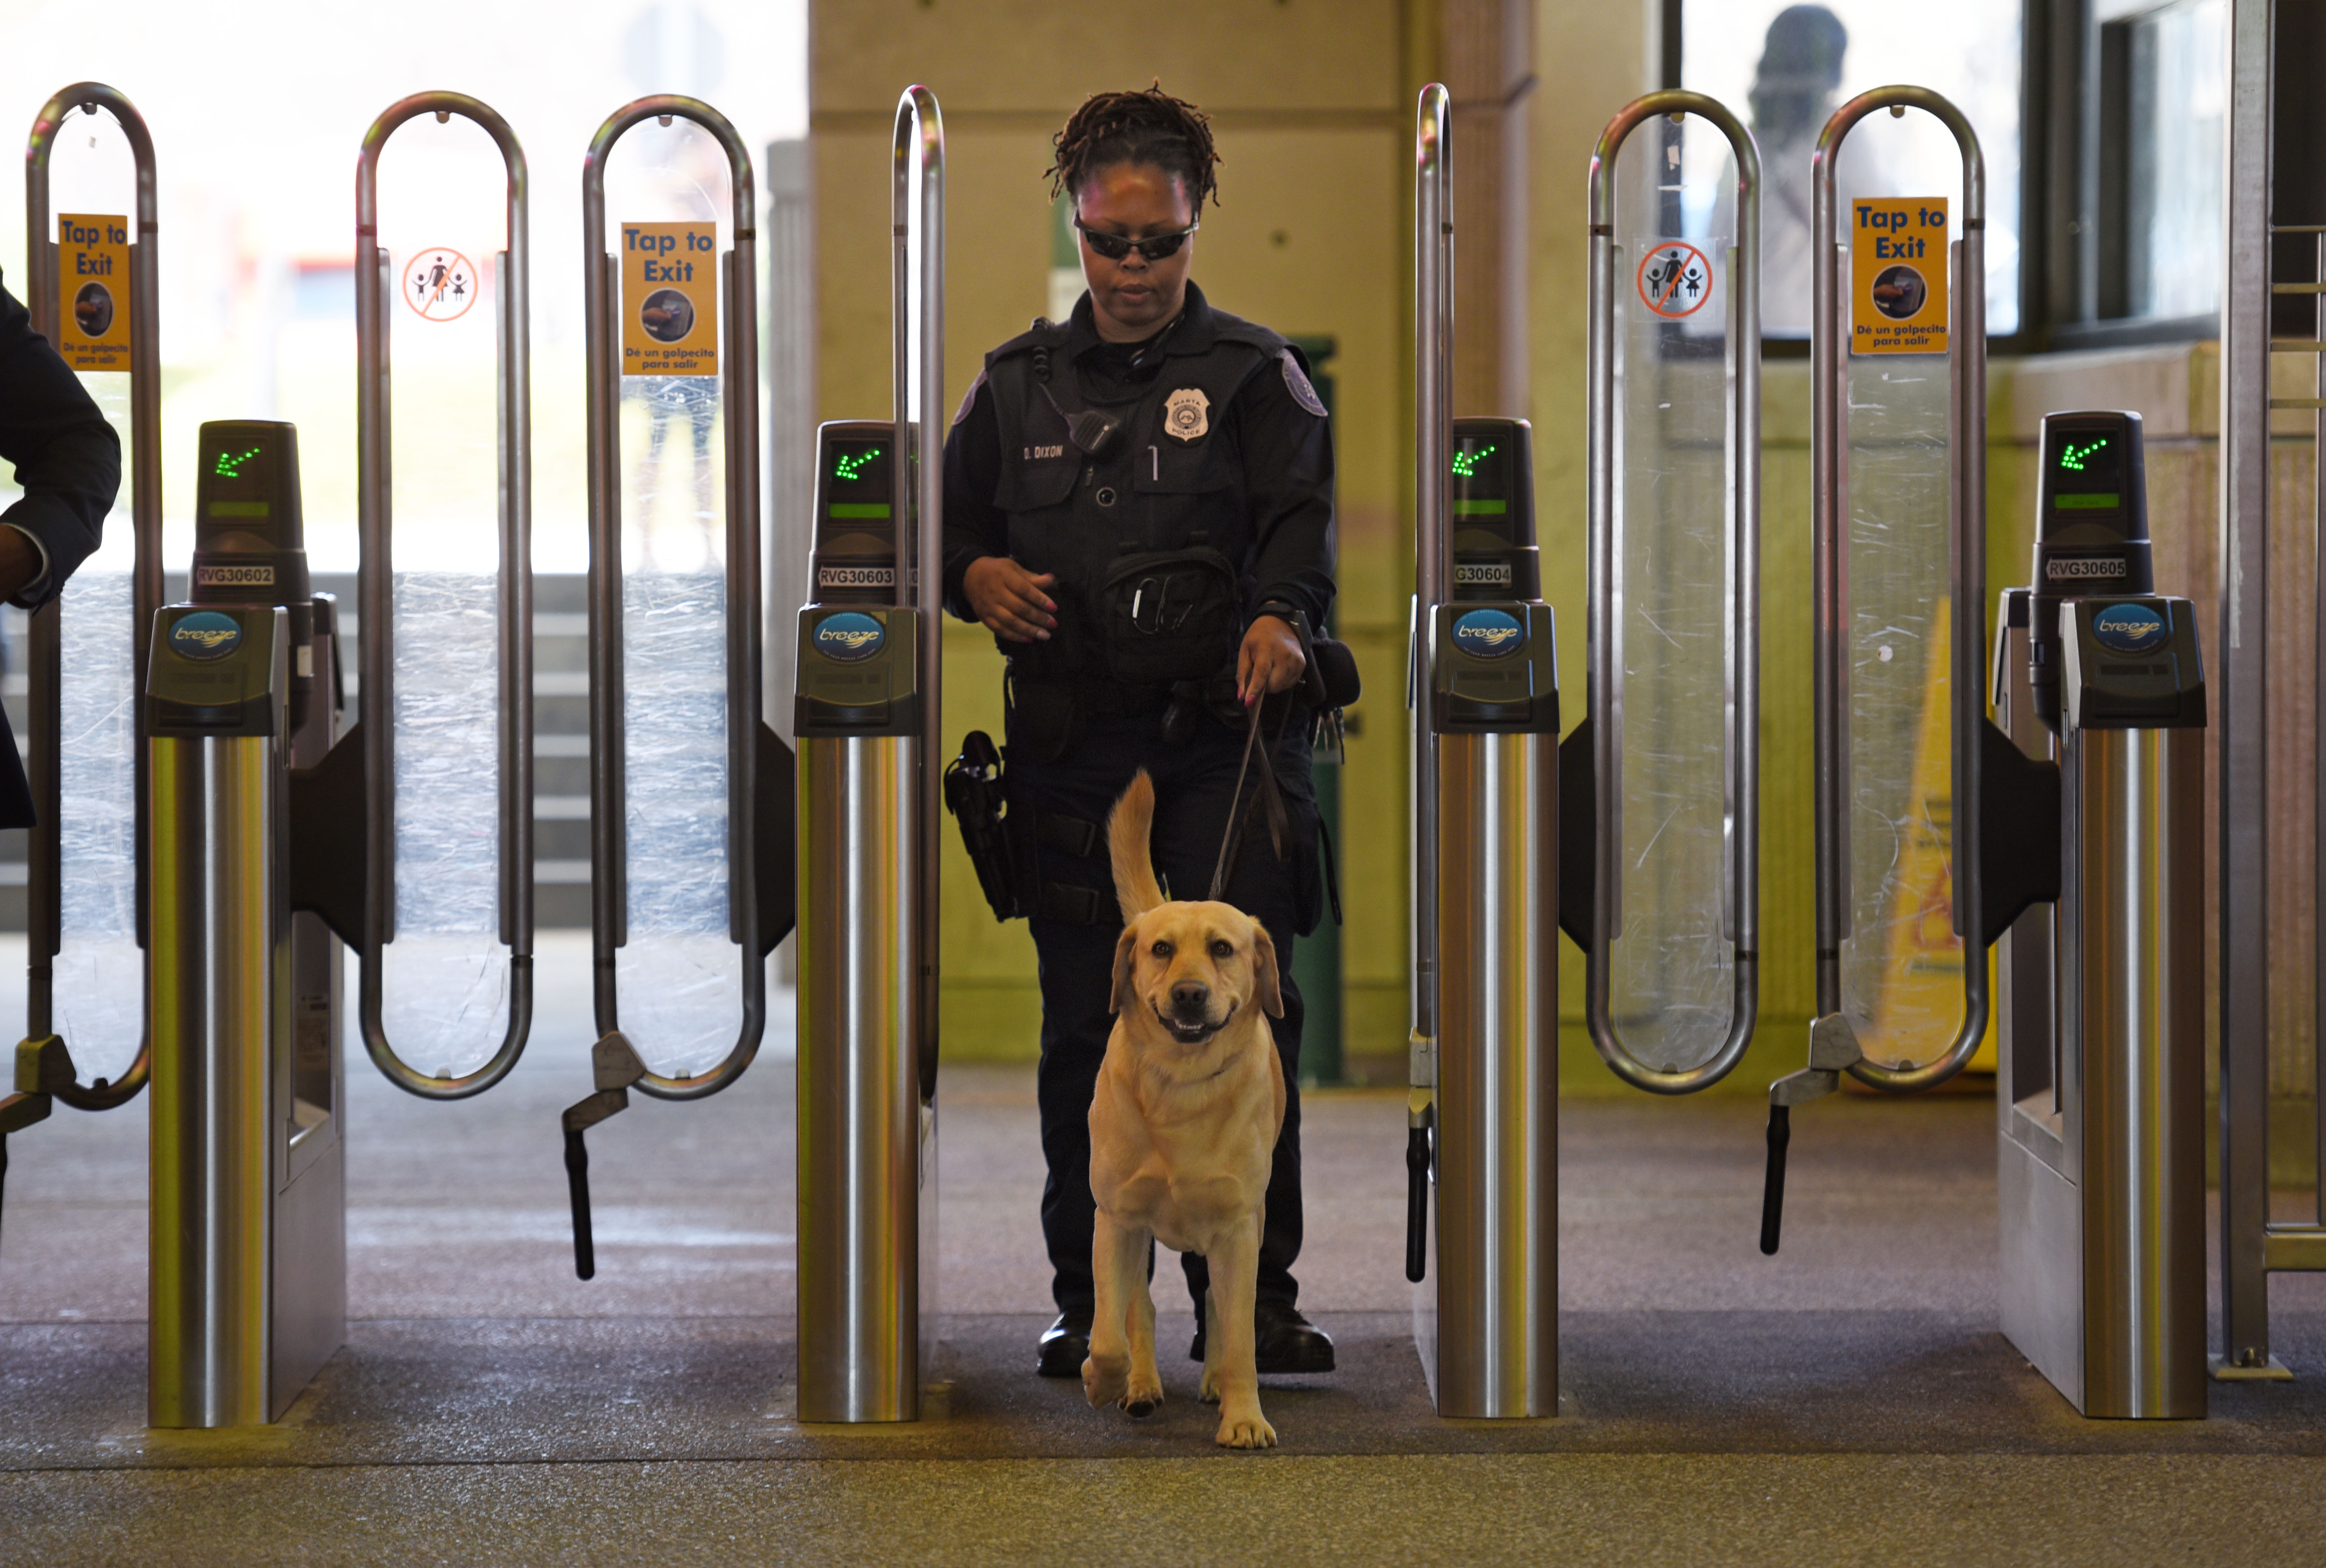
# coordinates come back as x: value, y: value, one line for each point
x: 974, y: 526
x: 1288, y: 482
x: 67, y: 457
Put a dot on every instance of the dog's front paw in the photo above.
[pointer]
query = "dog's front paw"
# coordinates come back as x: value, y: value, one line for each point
x: 1210, y: 1391
x: 1104, y: 1382
x: 1247, y: 1429
x: 1143, y: 1395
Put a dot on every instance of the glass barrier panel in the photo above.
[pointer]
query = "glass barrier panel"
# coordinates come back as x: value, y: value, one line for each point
x: 99, y: 985
x: 679, y: 974
x: 445, y: 978
x: 1672, y: 977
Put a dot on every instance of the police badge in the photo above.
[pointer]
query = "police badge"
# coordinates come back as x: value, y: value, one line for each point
x: 1186, y: 414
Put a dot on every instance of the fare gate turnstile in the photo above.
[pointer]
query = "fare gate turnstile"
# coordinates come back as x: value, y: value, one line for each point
x: 691, y: 852
x: 278, y: 835
x: 249, y: 1227
x: 1497, y: 870
x: 89, y: 909
x: 2099, y: 1087
x: 2084, y: 871
x: 867, y: 713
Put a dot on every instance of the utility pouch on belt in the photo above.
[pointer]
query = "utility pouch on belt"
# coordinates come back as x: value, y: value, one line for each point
x: 973, y: 793
x: 1169, y: 615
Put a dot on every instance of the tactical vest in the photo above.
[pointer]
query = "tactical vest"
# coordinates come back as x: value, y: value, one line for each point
x: 1169, y: 488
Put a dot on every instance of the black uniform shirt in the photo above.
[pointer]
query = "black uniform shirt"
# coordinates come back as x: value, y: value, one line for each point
x: 1286, y: 453
x: 68, y: 458
x: 69, y: 464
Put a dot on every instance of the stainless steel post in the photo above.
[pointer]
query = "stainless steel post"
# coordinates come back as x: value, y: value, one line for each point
x: 45, y: 740
x: 1496, y: 1279
x: 249, y: 1251
x: 374, y: 735
x: 2102, y: 1168
x: 867, y: 895
x: 1741, y: 715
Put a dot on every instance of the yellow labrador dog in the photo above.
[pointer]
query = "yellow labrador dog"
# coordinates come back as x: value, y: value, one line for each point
x: 1190, y: 1099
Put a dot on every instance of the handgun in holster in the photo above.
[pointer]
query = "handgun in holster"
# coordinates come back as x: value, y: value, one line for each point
x: 973, y: 794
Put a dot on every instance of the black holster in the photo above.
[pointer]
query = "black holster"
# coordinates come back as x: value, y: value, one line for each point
x: 973, y: 794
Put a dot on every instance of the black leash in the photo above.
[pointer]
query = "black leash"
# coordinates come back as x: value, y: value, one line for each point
x: 1279, y: 824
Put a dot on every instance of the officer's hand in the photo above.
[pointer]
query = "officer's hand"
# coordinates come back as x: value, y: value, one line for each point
x: 1008, y: 599
x: 1269, y: 659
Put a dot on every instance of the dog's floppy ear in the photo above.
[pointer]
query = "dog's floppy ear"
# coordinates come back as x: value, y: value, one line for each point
x: 1126, y: 956
x: 1263, y: 957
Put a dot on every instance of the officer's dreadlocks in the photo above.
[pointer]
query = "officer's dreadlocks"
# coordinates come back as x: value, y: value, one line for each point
x: 1148, y: 127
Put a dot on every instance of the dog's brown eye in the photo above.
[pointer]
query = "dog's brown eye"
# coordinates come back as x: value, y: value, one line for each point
x: 1161, y: 949
x: 1222, y: 949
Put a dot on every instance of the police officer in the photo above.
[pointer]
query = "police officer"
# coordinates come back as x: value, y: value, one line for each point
x: 1138, y: 504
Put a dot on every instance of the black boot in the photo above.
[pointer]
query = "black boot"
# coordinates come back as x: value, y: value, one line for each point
x: 1285, y: 1342
x: 1065, y: 1345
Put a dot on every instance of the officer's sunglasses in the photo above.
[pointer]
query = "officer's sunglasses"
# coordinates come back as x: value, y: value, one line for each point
x: 1114, y: 246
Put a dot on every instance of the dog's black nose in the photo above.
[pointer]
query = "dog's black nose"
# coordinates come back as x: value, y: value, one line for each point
x: 1191, y: 997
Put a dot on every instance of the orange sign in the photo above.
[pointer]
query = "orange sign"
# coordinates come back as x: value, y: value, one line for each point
x: 1898, y: 275
x: 670, y: 299
x: 93, y: 324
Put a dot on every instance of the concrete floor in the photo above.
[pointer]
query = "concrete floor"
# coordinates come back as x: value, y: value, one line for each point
x: 1849, y: 1401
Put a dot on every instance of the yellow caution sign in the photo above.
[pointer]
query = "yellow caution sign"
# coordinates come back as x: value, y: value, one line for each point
x: 670, y: 299
x: 1919, y: 1005
x: 1898, y: 275
x: 93, y: 316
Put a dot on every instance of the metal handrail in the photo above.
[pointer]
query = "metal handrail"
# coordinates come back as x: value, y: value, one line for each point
x: 1433, y: 334
x: 376, y: 592
x: 740, y: 391
x: 1743, y: 704
x: 45, y: 881
x: 921, y: 526
x: 1829, y: 545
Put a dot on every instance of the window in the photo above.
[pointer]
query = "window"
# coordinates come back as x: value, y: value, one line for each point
x: 1785, y: 68
x: 2153, y: 253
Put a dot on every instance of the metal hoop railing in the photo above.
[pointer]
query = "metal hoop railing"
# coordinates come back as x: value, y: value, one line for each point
x: 1433, y: 334
x: 918, y: 347
x: 1742, y: 706
x: 46, y: 879
x: 376, y: 592
x: 739, y: 389
x: 1829, y: 544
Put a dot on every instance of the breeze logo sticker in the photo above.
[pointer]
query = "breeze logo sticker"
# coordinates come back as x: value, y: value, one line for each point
x: 1489, y: 634
x: 1898, y: 275
x: 93, y: 283
x: 670, y: 299
x: 204, y: 635
x: 2130, y: 629
x: 1188, y: 413
x: 849, y: 635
